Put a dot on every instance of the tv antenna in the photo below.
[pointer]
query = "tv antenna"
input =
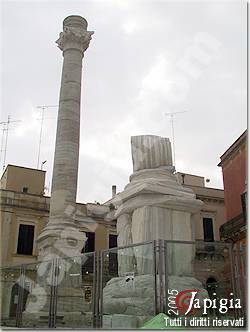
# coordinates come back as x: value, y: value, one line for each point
x: 172, y: 114
x: 4, y: 140
x: 42, y: 107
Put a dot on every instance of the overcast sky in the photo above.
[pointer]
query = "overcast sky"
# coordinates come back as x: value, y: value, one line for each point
x: 134, y: 72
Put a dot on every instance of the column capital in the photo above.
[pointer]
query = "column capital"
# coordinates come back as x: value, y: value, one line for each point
x: 75, y: 34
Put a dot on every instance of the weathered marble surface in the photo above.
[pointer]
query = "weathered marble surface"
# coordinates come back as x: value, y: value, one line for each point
x: 136, y: 297
x: 95, y: 210
x: 156, y: 187
x: 123, y: 321
x: 129, y: 298
x: 126, y: 259
x: 150, y: 151
x: 153, y: 223
x: 120, y: 321
x: 69, y: 320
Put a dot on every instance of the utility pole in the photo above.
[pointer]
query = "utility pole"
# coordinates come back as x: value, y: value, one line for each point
x: 43, y: 107
x: 4, y: 141
x: 172, y: 114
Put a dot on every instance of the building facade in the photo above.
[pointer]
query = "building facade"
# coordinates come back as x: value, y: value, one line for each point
x: 212, y: 215
x: 210, y: 260
x: 234, y: 170
x: 24, y: 213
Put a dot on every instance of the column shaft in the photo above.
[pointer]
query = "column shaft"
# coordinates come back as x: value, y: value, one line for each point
x: 68, y: 134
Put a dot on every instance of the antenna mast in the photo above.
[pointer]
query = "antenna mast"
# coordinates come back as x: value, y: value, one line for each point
x: 172, y: 114
x: 4, y: 141
x: 43, y: 107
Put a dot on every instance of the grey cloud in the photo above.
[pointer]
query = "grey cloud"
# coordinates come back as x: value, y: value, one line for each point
x: 115, y: 67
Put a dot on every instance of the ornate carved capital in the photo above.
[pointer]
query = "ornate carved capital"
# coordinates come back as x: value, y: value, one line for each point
x: 74, y: 37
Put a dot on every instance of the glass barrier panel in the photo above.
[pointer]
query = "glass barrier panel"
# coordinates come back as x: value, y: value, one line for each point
x: 240, y: 273
x: 75, y: 291
x: 200, y: 283
x: 10, y: 289
x: 128, y: 286
x: 37, y: 287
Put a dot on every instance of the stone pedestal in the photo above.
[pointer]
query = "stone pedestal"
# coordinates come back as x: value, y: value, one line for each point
x: 153, y: 223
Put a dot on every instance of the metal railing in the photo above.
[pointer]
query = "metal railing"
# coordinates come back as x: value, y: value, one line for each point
x: 233, y: 227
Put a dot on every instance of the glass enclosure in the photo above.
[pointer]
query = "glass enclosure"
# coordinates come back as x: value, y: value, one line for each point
x: 10, y: 294
x: 125, y: 287
x: 204, y: 271
x: 75, y: 292
x: 128, y: 286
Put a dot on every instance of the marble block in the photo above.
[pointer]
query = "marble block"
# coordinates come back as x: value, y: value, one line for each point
x: 153, y: 223
x: 136, y: 298
x: 124, y: 321
x: 129, y: 298
x: 107, y: 322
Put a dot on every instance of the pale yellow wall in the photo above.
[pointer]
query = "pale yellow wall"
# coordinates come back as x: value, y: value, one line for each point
x: 15, y: 178
x: 4, y: 179
x: 102, y: 232
x: 10, y: 234
x: 20, y: 209
x: 6, y: 235
x: 190, y: 179
x: 213, y: 210
x: 30, y: 209
x: 101, y: 237
x: 32, y: 212
x: 214, y: 207
x: 101, y: 228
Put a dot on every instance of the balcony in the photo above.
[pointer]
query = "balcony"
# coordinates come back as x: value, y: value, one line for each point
x: 234, y: 228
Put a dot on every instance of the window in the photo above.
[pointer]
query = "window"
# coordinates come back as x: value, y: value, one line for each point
x: 25, y: 239
x: 90, y: 242
x: 208, y: 229
x: 88, y: 265
x: 25, y: 190
x: 112, y: 241
x: 244, y: 205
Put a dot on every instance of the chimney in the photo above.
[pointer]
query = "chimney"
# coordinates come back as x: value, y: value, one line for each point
x: 113, y: 191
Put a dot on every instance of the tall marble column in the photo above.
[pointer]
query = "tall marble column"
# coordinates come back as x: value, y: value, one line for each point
x: 61, y: 235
